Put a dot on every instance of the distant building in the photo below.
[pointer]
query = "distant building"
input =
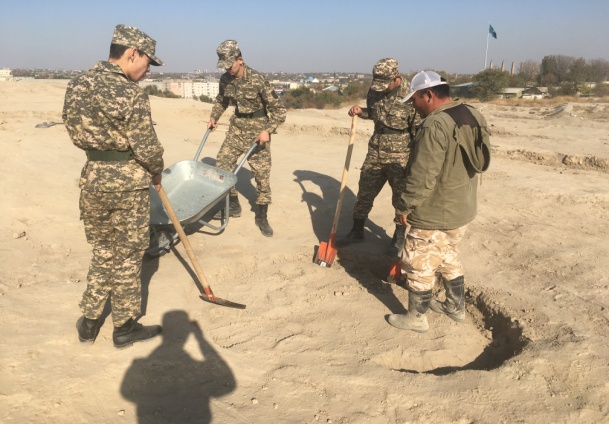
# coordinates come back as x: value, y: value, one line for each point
x: 511, y: 93
x: 535, y: 93
x: 333, y: 89
x: 186, y: 89
x: 6, y: 75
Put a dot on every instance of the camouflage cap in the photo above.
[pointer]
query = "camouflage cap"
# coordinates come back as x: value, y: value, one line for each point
x: 383, y: 73
x: 125, y: 35
x: 227, y: 52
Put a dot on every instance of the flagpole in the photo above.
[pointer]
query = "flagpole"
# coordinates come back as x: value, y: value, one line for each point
x: 488, y: 33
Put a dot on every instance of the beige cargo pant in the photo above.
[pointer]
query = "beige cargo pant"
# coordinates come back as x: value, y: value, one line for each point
x: 428, y: 253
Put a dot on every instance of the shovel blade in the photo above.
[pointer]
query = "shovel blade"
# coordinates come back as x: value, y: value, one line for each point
x: 221, y: 302
x: 325, y: 255
x: 395, y: 273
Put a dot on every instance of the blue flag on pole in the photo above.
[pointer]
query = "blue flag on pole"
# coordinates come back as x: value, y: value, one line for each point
x: 492, y: 31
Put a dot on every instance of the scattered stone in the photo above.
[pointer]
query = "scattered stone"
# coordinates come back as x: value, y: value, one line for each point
x: 255, y: 401
x: 19, y: 235
x: 121, y: 413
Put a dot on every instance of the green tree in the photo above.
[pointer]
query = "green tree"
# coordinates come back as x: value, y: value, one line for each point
x: 170, y: 95
x: 601, y: 90
x: 489, y: 83
x: 356, y: 90
x: 598, y: 70
x: 152, y: 90
x: 205, y: 99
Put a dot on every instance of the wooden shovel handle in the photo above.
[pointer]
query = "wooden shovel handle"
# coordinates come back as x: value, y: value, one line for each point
x: 193, y: 259
x: 343, y: 181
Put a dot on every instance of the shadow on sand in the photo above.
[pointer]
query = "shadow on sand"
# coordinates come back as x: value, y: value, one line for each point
x: 169, y: 386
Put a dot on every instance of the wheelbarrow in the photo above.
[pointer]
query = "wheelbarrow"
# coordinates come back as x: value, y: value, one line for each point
x: 193, y: 188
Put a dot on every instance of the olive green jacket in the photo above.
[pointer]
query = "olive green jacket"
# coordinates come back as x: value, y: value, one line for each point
x: 441, y: 181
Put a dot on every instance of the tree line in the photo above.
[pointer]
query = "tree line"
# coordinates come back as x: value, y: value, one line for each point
x: 563, y: 75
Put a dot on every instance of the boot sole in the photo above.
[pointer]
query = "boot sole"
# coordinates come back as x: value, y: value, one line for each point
x: 265, y: 235
x: 406, y: 327
x: 129, y: 344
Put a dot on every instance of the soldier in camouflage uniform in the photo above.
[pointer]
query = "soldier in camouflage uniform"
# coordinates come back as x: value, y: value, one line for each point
x: 451, y: 147
x: 108, y: 116
x: 387, y: 149
x: 258, y: 113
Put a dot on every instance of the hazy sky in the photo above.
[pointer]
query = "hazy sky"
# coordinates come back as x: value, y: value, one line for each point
x: 307, y: 36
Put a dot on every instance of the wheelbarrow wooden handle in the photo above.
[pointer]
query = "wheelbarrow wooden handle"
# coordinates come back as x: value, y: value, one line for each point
x: 193, y: 259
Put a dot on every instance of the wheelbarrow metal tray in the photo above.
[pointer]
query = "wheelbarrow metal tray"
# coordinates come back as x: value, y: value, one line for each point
x: 193, y: 188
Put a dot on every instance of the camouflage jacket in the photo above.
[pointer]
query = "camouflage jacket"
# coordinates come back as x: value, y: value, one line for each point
x: 394, y: 124
x: 104, y: 110
x: 250, y: 93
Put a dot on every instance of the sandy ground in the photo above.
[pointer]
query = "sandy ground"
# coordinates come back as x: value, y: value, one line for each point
x: 313, y: 344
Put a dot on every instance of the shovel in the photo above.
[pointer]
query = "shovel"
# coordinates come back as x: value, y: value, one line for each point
x: 208, y: 296
x: 327, y: 251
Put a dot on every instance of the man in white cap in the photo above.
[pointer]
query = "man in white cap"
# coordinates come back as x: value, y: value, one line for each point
x: 451, y: 147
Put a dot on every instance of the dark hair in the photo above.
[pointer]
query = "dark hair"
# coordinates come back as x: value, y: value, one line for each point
x: 441, y: 91
x: 117, y: 51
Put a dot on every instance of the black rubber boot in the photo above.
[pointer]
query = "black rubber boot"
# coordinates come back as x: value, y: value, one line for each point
x: 262, y: 221
x: 397, y: 242
x: 131, y: 332
x: 88, y: 329
x: 356, y: 235
x: 454, y: 305
x: 416, y: 317
x: 234, y: 208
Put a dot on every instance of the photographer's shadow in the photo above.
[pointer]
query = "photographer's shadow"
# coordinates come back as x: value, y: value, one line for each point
x: 171, y: 386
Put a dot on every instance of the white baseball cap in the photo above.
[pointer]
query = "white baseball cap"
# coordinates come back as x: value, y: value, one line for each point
x: 421, y: 81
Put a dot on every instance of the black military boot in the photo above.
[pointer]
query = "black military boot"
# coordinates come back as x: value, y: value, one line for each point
x: 234, y: 208
x: 397, y: 242
x: 416, y: 317
x: 356, y: 235
x: 88, y: 329
x: 131, y: 332
x: 454, y: 305
x: 262, y: 221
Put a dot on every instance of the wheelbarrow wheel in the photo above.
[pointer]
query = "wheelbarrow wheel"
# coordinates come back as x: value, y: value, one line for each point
x: 161, y: 241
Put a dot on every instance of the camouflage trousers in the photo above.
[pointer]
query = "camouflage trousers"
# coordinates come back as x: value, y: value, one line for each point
x: 372, y: 179
x: 236, y: 145
x: 117, y: 227
x: 428, y: 253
